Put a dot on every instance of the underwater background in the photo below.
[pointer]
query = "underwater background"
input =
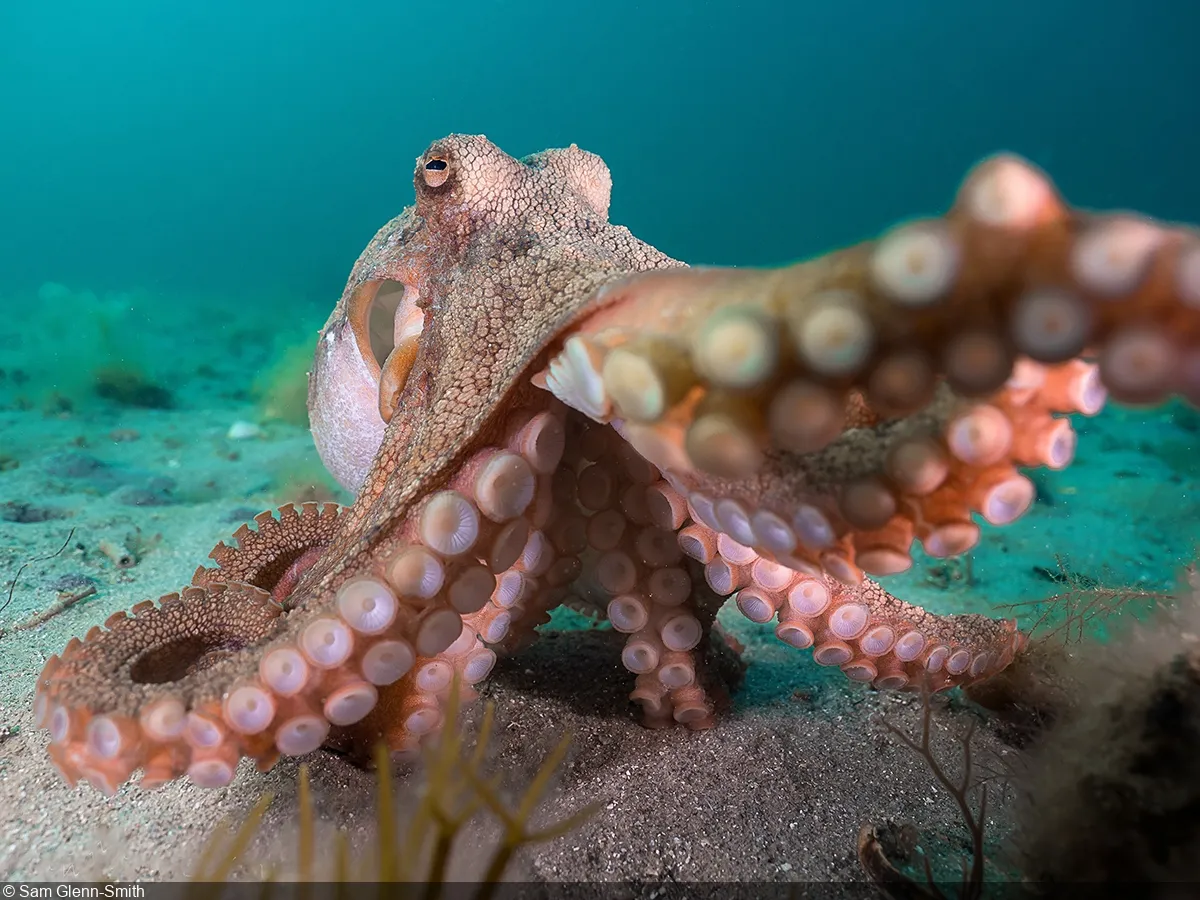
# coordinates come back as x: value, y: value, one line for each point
x: 185, y: 186
x: 233, y: 146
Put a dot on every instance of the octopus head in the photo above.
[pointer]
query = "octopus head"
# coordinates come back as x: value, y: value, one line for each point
x: 466, y: 188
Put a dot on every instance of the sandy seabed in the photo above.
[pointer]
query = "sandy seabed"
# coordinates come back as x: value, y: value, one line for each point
x: 777, y: 792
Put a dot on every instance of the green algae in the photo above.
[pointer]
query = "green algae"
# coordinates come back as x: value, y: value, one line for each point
x: 456, y: 789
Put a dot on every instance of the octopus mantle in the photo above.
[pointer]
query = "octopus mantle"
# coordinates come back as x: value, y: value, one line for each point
x: 533, y: 407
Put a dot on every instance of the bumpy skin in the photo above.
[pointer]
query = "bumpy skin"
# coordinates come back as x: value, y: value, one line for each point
x: 530, y: 416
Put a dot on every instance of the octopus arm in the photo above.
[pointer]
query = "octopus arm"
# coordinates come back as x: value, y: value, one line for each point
x: 827, y: 412
x: 810, y: 422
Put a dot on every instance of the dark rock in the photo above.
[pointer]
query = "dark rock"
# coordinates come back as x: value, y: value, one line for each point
x: 28, y: 514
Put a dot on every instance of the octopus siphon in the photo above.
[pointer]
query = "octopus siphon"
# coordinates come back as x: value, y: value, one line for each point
x: 533, y: 408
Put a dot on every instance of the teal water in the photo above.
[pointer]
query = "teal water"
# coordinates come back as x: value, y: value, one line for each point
x: 210, y: 144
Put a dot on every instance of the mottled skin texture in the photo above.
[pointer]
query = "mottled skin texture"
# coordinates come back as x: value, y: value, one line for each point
x: 503, y: 254
x: 530, y: 417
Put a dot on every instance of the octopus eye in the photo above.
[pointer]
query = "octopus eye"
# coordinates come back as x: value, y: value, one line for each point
x: 437, y: 170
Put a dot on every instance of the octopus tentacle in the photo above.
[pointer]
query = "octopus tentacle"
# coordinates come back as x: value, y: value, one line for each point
x: 275, y: 555
x: 413, y: 707
x: 142, y: 692
x: 819, y: 418
x: 843, y: 406
x: 459, y: 549
x: 394, y: 637
x: 723, y: 364
x: 669, y: 652
x: 481, y: 548
x: 609, y: 515
x: 865, y: 631
x: 916, y: 478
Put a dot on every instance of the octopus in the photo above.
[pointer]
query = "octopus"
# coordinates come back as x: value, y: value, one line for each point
x: 534, y: 408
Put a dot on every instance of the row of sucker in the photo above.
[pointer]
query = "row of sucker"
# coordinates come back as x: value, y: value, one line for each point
x: 869, y: 634
x: 714, y: 370
x: 620, y: 517
x: 921, y: 478
x: 503, y: 559
x: 183, y: 695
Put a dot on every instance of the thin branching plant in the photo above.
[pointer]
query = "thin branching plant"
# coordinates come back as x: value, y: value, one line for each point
x: 415, y: 855
x: 871, y: 853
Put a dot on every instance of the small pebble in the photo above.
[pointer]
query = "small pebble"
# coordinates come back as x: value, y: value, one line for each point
x: 242, y: 431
